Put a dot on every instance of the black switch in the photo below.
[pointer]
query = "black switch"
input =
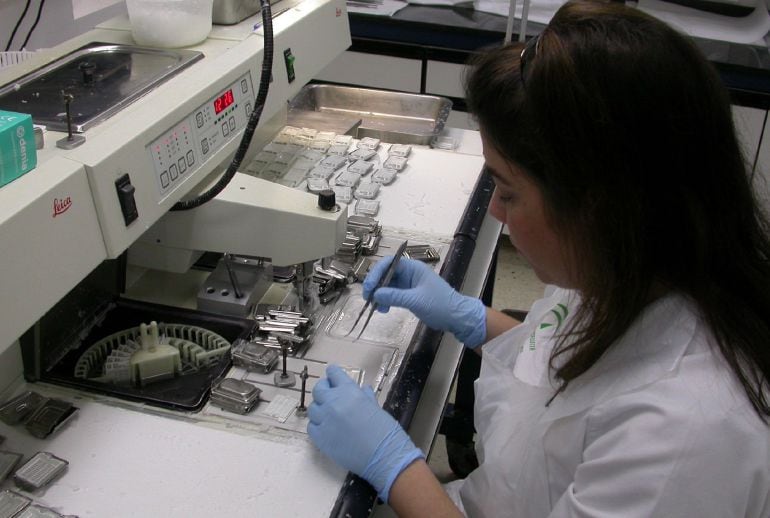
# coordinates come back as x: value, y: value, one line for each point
x: 126, y: 199
x: 289, y: 58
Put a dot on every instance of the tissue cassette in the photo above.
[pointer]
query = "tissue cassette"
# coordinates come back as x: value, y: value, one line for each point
x: 38, y: 511
x: 11, y: 503
x: 367, y: 207
x: 361, y: 167
x: 18, y: 153
x: 39, y: 471
x: 343, y: 194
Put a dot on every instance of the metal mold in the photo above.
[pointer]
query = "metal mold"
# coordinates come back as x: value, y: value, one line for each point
x: 235, y: 396
x: 255, y: 357
x: 394, y: 117
x: 46, y: 419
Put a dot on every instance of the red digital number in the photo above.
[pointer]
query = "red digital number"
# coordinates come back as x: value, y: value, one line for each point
x: 223, y: 101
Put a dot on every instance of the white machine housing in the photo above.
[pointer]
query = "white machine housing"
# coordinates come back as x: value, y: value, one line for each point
x: 250, y: 216
x: 62, y: 219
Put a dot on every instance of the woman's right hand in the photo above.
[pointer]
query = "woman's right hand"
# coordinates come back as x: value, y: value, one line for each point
x: 416, y: 287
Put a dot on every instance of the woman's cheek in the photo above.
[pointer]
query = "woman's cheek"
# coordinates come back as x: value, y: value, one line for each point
x: 497, y: 208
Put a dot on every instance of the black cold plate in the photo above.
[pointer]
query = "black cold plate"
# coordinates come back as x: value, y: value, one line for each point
x: 188, y: 392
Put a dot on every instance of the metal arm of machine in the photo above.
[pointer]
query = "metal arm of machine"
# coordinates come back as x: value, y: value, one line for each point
x: 254, y: 217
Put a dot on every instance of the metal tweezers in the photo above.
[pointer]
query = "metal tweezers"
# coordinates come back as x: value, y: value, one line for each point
x: 384, y: 281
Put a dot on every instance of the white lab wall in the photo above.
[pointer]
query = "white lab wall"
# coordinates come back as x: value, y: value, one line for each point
x: 445, y: 79
x: 60, y: 20
x: 375, y: 71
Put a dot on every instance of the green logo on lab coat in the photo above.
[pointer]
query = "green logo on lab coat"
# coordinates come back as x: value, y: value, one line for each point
x: 553, y: 319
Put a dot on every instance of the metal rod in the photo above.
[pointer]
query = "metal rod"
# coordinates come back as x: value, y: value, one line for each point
x: 67, y: 100
x: 303, y: 376
x: 285, y: 353
x: 233, y: 279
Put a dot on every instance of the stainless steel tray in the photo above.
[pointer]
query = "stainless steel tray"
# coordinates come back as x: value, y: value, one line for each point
x: 229, y: 12
x: 394, y: 117
x: 102, y: 79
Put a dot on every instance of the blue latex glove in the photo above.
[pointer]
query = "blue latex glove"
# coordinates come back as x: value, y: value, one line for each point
x: 416, y: 287
x: 348, y: 425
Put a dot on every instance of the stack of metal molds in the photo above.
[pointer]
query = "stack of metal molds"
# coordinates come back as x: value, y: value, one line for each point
x: 368, y: 230
x: 350, y: 263
x: 274, y: 324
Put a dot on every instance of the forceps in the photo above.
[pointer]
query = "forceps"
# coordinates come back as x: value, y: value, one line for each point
x: 384, y: 281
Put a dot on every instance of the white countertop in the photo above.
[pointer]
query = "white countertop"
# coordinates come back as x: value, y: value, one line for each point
x: 129, y: 460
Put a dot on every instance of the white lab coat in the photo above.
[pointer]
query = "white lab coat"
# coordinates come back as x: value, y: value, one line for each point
x: 658, y: 427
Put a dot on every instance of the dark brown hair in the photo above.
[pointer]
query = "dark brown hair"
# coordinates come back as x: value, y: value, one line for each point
x: 627, y: 130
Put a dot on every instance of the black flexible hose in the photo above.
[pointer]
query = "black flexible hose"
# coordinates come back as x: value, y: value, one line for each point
x: 34, y: 24
x: 18, y: 24
x: 251, y: 125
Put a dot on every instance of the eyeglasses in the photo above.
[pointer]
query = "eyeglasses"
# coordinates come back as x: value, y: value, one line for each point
x: 527, y: 53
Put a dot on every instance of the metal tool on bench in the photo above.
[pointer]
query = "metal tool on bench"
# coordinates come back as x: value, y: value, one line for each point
x: 384, y: 281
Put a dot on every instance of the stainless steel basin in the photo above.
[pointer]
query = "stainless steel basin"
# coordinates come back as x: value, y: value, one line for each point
x: 395, y: 117
x: 101, y: 79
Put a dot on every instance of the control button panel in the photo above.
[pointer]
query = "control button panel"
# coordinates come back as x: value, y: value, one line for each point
x: 182, y: 149
x: 172, y: 150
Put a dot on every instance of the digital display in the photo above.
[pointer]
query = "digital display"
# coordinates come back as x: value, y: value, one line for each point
x: 223, y: 101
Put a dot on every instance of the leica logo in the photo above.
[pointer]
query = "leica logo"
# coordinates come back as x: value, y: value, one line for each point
x: 60, y: 205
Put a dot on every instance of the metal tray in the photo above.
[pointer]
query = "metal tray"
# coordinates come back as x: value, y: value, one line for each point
x: 394, y: 117
x: 229, y: 12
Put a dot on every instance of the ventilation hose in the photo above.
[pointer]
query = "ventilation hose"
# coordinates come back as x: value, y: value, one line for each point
x: 251, y: 125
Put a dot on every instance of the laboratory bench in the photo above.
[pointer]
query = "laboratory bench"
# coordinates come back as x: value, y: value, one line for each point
x: 130, y: 458
x: 74, y: 219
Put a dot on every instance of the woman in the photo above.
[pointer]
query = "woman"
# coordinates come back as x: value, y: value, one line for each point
x: 638, y: 385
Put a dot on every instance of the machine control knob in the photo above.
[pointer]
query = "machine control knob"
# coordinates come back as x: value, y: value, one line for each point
x: 327, y: 200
